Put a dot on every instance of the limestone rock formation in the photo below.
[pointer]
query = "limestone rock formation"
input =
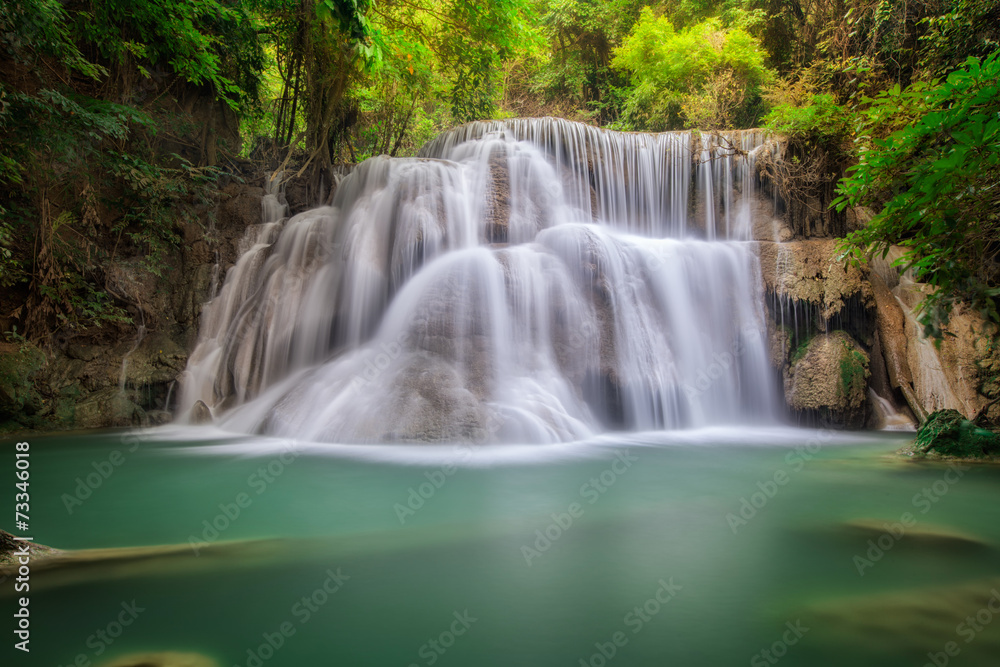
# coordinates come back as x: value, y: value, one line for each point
x: 75, y: 380
x: 892, y: 344
x: 810, y: 272
x: 828, y: 376
x: 960, y: 372
x: 108, y: 407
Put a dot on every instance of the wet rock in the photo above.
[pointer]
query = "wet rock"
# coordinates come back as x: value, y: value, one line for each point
x: 956, y: 372
x: 189, y: 297
x: 158, y: 417
x: 242, y: 208
x: 779, y: 344
x: 891, y: 332
x: 157, y: 360
x: 297, y: 196
x: 810, y: 272
x: 62, y: 372
x: 108, y: 408
x: 768, y: 224
x: 828, y: 376
x: 433, y: 405
x: 9, y: 546
x: 960, y: 371
x: 131, y: 281
x: 947, y: 432
x: 200, y: 413
x: 498, y: 200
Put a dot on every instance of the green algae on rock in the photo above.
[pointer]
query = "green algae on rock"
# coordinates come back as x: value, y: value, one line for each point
x: 947, y: 432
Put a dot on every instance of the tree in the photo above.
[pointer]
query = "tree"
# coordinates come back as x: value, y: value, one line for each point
x: 83, y: 103
x: 935, y: 176
x: 704, y: 75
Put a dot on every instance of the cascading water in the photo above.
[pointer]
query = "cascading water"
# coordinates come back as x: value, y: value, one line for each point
x: 531, y: 280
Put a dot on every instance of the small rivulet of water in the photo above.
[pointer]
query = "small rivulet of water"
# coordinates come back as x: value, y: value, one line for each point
x: 140, y: 333
x: 531, y: 280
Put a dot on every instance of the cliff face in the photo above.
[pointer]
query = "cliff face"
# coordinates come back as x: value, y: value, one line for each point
x: 95, y: 379
x: 814, y: 299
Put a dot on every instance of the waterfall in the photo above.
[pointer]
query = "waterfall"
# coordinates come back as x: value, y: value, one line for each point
x: 888, y: 419
x: 530, y: 280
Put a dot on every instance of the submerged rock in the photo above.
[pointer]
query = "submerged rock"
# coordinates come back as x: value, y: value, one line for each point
x: 167, y: 659
x: 913, y: 624
x: 948, y: 432
x: 922, y: 535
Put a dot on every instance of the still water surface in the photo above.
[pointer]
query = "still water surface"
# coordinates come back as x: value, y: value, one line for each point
x: 628, y: 550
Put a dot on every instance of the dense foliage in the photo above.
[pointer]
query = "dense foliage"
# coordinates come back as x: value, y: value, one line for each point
x: 704, y: 76
x: 936, y: 181
x: 116, y: 116
x: 82, y: 132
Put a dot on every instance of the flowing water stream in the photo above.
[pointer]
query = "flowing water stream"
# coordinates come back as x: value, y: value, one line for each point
x: 524, y: 281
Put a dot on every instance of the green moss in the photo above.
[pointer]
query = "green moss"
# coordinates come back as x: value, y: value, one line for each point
x: 800, y: 349
x: 64, y: 408
x: 853, y: 370
x: 948, y: 432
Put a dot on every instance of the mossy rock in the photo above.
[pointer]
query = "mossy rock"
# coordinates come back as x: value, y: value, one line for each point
x: 829, y: 375
x: 948, y: 432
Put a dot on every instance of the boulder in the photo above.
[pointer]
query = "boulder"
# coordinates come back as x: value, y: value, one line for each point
x: 828, y: 376
x: 947, y: 432
x: 913, y: 621
x: 200, y: 413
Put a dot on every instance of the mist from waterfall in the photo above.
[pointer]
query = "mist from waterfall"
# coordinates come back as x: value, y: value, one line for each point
x: 531, y: 280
